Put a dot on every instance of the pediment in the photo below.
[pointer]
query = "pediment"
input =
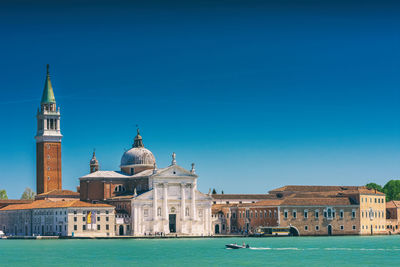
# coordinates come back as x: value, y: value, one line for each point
x: 174, y: 171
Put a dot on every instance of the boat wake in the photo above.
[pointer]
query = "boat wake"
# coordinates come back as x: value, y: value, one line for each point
x: 354, y: 249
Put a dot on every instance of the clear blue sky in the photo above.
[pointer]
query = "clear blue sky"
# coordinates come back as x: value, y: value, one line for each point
x: 258, y: 94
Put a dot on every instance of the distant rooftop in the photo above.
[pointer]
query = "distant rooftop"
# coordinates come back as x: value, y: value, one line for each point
x: 46, y: 204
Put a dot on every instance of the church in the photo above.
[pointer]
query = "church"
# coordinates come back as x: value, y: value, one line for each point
x: 149, y: 201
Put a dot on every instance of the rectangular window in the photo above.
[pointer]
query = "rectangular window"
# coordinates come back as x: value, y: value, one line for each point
x: 316, y: 228
x: 354, y: 227
x: 353, y: 214
x: 341, y: 227
x: 375, y: 200
x: 285, y: 214
x: 83, y: 227
x: 75, y: 219
x: 107, y: 219
x: 98, y: 227
x: 305, y: 214
x: 75, y: 227
x: 341, y: 214
x: 306, y: 228
x: 98, y: 219
x: 107, y: 227
x: 294, y: 214
x: 83, y: 218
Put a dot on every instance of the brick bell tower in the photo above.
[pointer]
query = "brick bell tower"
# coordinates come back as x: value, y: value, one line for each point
x: 48, y: 142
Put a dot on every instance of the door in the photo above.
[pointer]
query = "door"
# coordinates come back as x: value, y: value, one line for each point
x: 172, y: 223
x: 121, y: 230
x: 329, y: 229
x: 217, y: 228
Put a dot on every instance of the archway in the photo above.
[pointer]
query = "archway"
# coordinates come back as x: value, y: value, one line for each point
x: 121, y: 230
x: 217, y: 228
x: 293, y: 231
x: 329, y: 229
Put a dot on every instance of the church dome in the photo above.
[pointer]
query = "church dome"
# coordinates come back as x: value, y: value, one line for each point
x: 138, y: 155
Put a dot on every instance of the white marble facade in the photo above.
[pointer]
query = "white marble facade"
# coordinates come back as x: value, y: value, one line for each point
x: 173, y: 205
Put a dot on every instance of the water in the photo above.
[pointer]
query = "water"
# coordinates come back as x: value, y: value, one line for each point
x: 287, y: 251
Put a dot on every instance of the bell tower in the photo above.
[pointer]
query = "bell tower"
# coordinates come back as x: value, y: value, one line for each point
x: 48, y: 142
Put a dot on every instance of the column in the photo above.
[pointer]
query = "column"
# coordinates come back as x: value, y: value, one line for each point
x: 183, y: 207
x: 154, y: 201
x: 193, y: 203
x: 135, y: 222
x: 165, y: 202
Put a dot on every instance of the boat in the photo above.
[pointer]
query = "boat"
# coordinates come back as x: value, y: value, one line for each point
x: 272, y: 231
x: 236, y: 246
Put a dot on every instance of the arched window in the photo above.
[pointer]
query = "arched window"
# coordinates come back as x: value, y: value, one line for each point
x: 119, y: 188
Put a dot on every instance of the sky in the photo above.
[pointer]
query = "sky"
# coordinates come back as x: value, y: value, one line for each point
x: 258, y: 94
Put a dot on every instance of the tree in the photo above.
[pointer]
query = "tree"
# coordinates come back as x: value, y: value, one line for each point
x: 3, y: 194
x: 392, y: 190
x: 214, y: 191
x: 28, y: 194
x: 374, y: 186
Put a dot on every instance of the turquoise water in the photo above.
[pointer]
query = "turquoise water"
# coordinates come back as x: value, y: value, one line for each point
x: 287, y: 251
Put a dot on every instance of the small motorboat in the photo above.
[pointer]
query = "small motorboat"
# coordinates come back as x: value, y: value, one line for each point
x: 236, y: 246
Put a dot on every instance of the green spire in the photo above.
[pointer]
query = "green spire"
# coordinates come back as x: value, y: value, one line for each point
x: 48, y: 94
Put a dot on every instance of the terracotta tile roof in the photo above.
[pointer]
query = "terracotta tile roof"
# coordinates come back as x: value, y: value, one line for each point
x: 45, y: 204
x: 269, y: 202
x: 393, y: 204
x: 242, y: 196
x: 314, y: 188
x: 327, y: 201
x: 57, y: 192
x: 14, y: 201
x: 321, y: 189
x: 364, y: 190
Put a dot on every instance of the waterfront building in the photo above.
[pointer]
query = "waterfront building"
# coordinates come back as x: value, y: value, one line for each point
x: 393, y: 216
x: 61, y: 218
x: 372, y: 211
x: 308, y: 210
x: 48, y: 142
x: 320, y: 216
x: 246, y: 217
x: 149, y: 200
